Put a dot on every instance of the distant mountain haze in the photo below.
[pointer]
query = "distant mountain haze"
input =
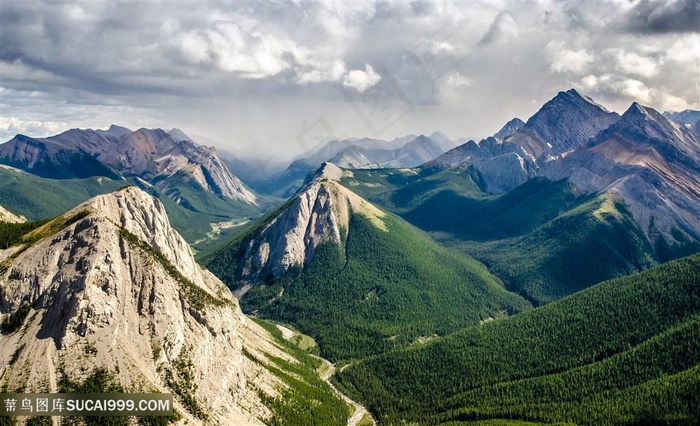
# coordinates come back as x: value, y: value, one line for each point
x: 366, y: 153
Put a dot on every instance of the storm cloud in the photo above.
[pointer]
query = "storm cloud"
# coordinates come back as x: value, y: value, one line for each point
x: 279, y: 76
x: 664, y: 17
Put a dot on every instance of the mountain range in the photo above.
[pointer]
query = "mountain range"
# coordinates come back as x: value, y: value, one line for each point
x: 552, y: 208
x: 689, y: 118
x: 43, y: 177
x: 149, y: 154
x: 562, y: 124
x: 545, y: 275
x: 617, y: 196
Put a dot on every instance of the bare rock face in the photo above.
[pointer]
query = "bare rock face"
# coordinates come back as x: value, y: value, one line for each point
x: 8, y: 216
x: 319, y: 213
x: 509, y: 128
x: 564, y: 123
x: 652, y: 163
x: 504, y: 172
x: 154, y: 153
x: 110, y: 284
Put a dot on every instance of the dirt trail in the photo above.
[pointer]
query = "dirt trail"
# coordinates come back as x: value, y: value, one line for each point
x: 360, y: 411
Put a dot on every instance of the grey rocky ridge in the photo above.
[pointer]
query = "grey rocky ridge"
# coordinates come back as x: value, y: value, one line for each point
x: 561, y: 125
x: 509, y: 128
x: 110, y: 285
x: 413, y: 153
x: 153, y: 155
x: 649, y: 160
x: 365, y: 153
x: 651, y: 163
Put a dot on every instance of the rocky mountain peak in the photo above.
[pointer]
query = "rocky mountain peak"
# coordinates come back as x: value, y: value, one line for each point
x: 319, y: 213
x: 440, y: 135
x: 649, y: 161
x: 115, y: 131
x: 509, y: 128
x: 110, y: 285
x: 687, y: 116
x: 151, y: 154
x: 637, y: 111
x: 565, y: 122
x: 645, y: 125
x: 179, y: 135
x: 328, y: 171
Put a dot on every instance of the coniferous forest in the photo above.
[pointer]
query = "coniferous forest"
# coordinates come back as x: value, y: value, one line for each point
x: 622, y: 352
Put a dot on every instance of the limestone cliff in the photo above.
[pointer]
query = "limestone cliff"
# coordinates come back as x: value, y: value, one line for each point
x: 8, y: 216
x: 319, y: 213
x: 111, y: 285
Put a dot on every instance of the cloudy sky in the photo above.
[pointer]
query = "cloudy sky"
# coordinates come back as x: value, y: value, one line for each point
x: 280, y: 76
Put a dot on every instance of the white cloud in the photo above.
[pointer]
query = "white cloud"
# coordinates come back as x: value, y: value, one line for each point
x: 362, y: 80
x: 11, y: 126
x: 194, y: 48
x: 563, y: 59
x: 335, y: 71
x: 441, y: 47
x: 684, y: 51
x: 342, y: 19
x: 635, y: 64
x: 457, y: 80
x: 251, y: 55
x: 669, y: 102
x: 620, y: 85
x: 636, y: 89
x: 589, y: 82
x: 150, y: 64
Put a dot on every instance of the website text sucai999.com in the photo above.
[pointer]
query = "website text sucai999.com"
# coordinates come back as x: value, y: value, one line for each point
x: 86, y: 404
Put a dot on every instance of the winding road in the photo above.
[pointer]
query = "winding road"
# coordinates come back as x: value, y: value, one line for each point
x: 360, y: 411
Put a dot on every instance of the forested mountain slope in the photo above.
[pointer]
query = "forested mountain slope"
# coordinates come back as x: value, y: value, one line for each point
x: 360, y: 280
x: 626, y: 351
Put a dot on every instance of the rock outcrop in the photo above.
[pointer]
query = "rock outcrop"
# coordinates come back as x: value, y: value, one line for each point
x: 8, y: 216
x: 111, y: 285
x: 509, y: 128
x: 319, y: 213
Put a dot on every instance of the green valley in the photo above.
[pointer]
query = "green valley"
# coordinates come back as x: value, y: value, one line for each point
x: 40, y: 198
x: 542, y: 239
